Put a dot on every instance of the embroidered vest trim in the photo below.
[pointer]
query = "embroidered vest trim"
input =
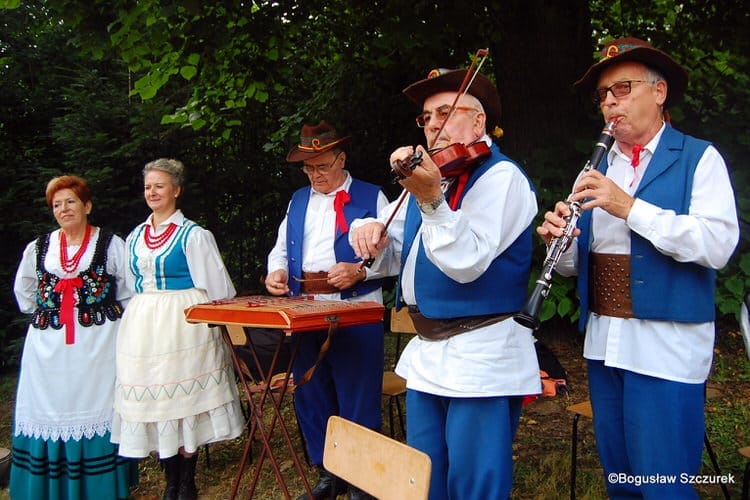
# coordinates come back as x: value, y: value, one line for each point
x: 96, y: 300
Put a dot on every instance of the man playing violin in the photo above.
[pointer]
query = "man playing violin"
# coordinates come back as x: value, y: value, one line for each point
x: 658, y: 220
x: 462, y: 244
x: 312, y: 256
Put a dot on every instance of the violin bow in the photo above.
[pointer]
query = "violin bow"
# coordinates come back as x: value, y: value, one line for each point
x: 471, y: 74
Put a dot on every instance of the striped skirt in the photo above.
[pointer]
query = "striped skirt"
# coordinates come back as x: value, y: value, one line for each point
x: 67, y: 470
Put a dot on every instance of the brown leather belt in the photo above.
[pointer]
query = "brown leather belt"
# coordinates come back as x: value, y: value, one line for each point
x: 441, y: 329
x: 317, y: 283
x: 609, y: 285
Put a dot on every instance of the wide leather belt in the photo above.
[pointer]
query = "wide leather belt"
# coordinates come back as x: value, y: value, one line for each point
x: 609, y: 285
x: 316, y: 283
x: 441, y: 329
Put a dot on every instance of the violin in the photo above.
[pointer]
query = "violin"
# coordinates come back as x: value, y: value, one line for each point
x: 452, y: 160
x: 478, y: 152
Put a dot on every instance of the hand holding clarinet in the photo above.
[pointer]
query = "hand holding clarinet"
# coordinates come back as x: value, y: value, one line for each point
x: 591, y: 189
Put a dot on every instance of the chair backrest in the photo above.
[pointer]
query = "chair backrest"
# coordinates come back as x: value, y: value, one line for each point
x: 375, y: 463
x: 401, y: 324
x: 401, y: 321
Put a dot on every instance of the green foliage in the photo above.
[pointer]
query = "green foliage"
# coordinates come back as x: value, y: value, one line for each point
x: 101, y: 87
x: 223, y: 50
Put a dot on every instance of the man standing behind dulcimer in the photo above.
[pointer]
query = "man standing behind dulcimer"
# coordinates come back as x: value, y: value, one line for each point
x: 463, y: 245
x: 659, y: 218
x: 312, y: 256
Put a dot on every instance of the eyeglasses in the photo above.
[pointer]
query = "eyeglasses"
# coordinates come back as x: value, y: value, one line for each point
x: 440, y: 113
x: 618, y: 89
x: 323, y: 168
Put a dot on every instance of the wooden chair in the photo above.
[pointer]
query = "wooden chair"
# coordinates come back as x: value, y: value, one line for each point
x: 375, y: 463
x: 745, y: 323
x: 394, y: 387
x: 579, y: 410
x: 584, y: 409
x: 745, y: 329
x: 745, y: 452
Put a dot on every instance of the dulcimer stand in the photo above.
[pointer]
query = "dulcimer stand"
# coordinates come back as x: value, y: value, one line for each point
x: 290, y: 315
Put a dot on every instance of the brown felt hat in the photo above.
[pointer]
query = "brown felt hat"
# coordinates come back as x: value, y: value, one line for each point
x: 450, y: 80
x: 634, y: 49
x: 315, y: 140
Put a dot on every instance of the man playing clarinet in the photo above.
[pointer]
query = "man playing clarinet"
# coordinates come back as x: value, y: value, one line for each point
x: 658, y: 220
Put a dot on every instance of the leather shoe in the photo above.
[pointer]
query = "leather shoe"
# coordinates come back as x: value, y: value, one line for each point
x: 357, y: 494
x: 322, y: 490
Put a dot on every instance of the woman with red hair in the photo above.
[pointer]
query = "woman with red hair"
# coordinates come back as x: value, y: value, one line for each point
x: 72, y: 282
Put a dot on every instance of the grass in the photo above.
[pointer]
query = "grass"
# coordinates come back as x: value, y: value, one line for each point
x: 541, y: 449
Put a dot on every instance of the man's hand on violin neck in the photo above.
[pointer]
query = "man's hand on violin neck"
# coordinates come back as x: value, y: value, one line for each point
x: 424, y: 182
x: 402, y: 154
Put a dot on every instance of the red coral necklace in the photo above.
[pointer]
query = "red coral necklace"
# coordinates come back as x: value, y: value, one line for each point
x: 70, y: 265
x: 154, y: 242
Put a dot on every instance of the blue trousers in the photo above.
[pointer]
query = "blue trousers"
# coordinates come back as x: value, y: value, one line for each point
x: 469, y: 441
x: 348, y: 382
x: 646, y: 428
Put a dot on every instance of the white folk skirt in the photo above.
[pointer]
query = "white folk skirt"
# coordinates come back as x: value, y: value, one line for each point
x: 175, y: 384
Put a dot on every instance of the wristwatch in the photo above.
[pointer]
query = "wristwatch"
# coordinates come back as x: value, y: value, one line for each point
x: 429, y: 207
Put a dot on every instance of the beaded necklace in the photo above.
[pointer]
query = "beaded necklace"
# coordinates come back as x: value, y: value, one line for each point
x: 70, y: 265
x: 154, y: 242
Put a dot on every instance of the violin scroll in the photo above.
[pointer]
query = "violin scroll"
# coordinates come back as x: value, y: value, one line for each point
x: 402, y: 169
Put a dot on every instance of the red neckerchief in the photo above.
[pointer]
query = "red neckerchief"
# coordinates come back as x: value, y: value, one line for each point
x: 455, y: 195
x: 341, y: 199
x: 635, y: 161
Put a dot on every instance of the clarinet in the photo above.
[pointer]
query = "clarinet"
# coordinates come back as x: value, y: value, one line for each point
x: 529, y: 315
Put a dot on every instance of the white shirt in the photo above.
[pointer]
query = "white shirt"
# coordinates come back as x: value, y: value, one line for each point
x: 497, y: 360
x: 65, y: 391
x: 707, y: 236
x: 319, y: 235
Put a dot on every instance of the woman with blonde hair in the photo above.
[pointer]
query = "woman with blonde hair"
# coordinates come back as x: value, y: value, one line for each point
x: 175, y: 387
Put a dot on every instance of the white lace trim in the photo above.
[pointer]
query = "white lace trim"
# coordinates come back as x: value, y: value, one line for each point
x: 65, y: 433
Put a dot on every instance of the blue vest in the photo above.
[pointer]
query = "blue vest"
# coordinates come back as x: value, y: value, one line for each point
x: 662, y: 288
x: 501, y: 289
x: 171, y: 267
x: 364, y: 203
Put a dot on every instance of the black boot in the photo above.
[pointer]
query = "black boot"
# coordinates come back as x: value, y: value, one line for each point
x: 322, y: 490
x: 188, y: 491
x: 171, y: 467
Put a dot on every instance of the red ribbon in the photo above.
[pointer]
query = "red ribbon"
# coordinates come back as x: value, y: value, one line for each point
x: 342, y: 198
x: 456, y: 195
x: 66, y: 287
x: 636, y: 155
x: 635, y: 161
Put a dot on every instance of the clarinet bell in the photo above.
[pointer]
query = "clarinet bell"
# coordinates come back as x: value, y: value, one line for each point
x: 529, y: 315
